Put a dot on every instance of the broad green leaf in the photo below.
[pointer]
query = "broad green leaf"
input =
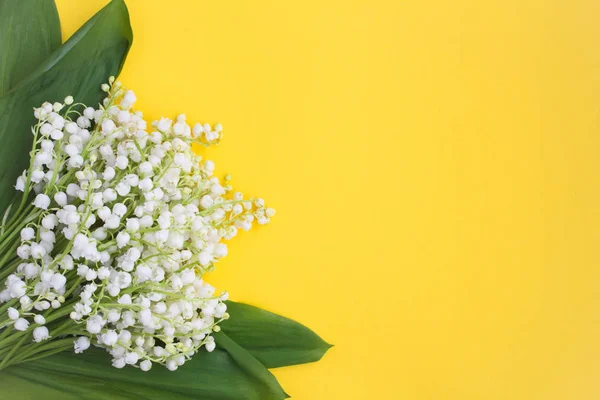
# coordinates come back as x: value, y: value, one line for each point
x: 274, y: 340
x: 29, y: 32
x: 78, y: 68
x: 251, y: 366
x: 90, y: 375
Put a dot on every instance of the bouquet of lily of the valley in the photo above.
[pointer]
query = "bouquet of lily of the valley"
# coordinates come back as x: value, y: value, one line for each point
x: 109, y: 225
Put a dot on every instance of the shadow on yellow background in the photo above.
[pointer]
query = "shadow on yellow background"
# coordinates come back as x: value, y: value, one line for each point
x: 434, y: 166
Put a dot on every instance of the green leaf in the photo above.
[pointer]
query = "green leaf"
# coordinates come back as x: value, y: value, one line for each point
x: 251, y: 366
x: 78, y: 68
x: 90, y: 375
x: 29, y: 32
x: 274, y: 340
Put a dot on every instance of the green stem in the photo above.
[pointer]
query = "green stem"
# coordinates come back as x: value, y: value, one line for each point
x: 39, y: 355
x: 12, y: 352
x: 35, y: 348
x: 8, y: 305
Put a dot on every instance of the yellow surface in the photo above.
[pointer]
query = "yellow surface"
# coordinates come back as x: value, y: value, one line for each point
x: 434, y: 166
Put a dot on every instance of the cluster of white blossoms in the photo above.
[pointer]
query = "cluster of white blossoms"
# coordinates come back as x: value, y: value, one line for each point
x: 124, y: 223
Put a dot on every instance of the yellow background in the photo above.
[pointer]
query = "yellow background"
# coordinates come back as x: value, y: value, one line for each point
x: 435, y: 170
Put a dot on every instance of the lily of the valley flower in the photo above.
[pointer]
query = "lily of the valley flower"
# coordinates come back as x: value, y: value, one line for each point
x: 125, y: 221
